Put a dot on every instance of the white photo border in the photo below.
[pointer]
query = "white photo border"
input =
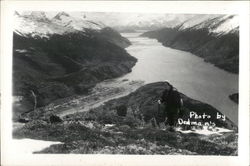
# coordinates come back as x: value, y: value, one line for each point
x: 182, y: 7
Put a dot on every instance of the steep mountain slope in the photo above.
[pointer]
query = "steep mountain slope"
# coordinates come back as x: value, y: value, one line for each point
x: 53, y: 59
x: 214, y: 38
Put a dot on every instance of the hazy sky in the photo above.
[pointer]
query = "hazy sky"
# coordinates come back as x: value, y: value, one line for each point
x: 125, y: 19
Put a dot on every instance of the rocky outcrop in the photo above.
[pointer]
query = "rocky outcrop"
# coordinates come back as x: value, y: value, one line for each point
x: 234, y: 97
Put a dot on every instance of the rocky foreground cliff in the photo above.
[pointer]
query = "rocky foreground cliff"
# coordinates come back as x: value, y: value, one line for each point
x: 125, y: 126
x: 214, y: 38
x: 62, y: 56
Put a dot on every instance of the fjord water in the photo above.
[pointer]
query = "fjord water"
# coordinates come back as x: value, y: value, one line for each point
x: 188, y: 73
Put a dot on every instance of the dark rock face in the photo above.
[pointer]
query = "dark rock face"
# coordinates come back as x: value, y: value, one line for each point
x: 234, y: 97
x: 64, y: 65
x: 23, y: 120
x: 221, y: 50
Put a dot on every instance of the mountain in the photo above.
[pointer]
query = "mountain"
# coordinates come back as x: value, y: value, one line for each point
x: 62, y: 57
x: 215, y: 38
x: 37, y: 25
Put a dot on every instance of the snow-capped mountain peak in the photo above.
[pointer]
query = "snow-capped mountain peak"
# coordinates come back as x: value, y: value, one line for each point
x: 80, y: 24
x: 218, y: 24
x: 61, y: 14
x: 62, y: 18
x: 37, y: 24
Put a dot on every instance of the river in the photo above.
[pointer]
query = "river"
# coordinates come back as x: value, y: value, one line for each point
x: 188, y: 73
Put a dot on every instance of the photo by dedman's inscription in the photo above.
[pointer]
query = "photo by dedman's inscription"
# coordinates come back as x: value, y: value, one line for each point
x: 195, y: 116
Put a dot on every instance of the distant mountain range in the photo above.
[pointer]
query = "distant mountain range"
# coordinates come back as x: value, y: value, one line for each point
x: 58, y: 57
x: 147, y: 21
x: 154, y: 21
x: 215, y: 23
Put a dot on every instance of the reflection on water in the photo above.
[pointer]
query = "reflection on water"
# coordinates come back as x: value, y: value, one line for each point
x: 187, y: 72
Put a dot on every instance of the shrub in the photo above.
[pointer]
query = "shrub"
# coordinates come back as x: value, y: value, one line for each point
x: 121, y: 110
x: 108, y: 117
x: 131, y: 121
x: 55, y: 119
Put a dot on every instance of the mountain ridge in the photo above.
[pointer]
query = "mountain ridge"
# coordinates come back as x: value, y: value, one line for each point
x: 51, y: 61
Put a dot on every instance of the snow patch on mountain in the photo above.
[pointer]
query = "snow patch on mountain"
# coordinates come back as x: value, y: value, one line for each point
x: 37, y: 15
x: 196, y: 20
x: 218, y: 24
x: 66, y: 20
x: 230, y: 23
